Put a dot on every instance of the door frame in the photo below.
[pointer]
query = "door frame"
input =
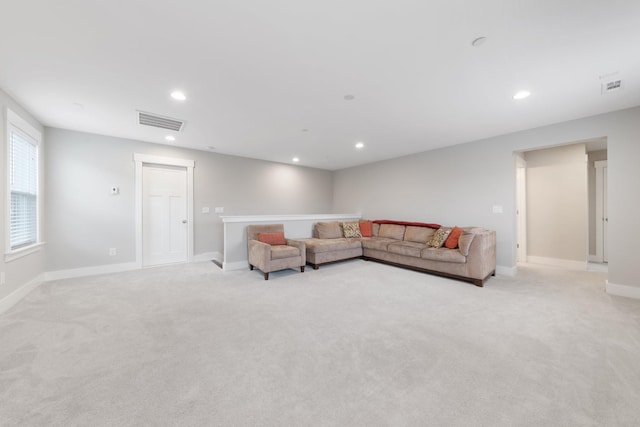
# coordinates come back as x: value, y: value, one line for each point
x: 521, y: 208
x: 601, y: 215
x: 146, y: 159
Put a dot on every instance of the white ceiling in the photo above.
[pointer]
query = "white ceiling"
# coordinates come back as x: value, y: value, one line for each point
x: 258, y: 72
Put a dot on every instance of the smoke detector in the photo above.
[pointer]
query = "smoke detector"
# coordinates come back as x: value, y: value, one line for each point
x: 158, y: 121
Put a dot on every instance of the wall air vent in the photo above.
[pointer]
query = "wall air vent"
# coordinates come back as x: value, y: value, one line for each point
x: 611, y: 86
x: 157, y: 121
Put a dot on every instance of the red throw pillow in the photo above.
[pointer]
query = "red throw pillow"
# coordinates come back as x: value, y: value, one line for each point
x: 454, y: 236
x: 365, y: 229
x: 272, y: 238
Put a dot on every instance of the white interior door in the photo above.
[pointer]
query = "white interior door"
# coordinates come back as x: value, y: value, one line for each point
x: 605, y: 210
x: 521, y: 210
x: 164, y: 215
x: 602, y: 214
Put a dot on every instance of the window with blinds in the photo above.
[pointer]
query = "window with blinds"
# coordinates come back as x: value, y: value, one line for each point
x: 23, y: 186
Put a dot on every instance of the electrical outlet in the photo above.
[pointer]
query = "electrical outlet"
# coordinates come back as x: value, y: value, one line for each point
x: 219, y: 210
x: 2, y: 278
x: 113, y: 252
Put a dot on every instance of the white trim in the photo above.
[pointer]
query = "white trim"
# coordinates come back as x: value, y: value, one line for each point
x: 506, y: 271
x: 594, y: 258
x: 89, y: 271
x: 142, y: 159
x: 237, y: 265
x: 14, y: 297
x: 22, y: 252
x: 208, y: 256
x: 557, y: 262
x: 599, y: 166
x: 159, y: 160
x: 521, y: 208
x: 623, y: 290
x: 267, y: 218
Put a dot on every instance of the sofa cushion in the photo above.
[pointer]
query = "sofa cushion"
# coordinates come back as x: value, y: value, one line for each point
x: 272, y: 238
x: 452, y: 240
x: 329, y: 245
x: 391, y: 231
x: 406, y: 248
x: 418, y: 234
x: 351, y: 229
x: 443, y: 254
x: 283, y: 251
x: 375, y: 229
x: 377, y: 243
x: 329, y: 230
x: 438, y: 238
x: 366, y: 229
x: 464, y: 243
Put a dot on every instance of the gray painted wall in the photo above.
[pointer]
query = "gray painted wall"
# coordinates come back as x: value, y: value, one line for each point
x: 22, y: 270
x: 557, y: 203
x: 459, y: 185
x: 84, y: 220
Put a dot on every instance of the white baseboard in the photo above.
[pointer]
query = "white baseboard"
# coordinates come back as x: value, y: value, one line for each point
x: 556, y: 262
x: 90, y: 271
x: 208, y: 256
x: 506, y: 271
x: 623, y: 290
x: 238, y: 265
x: 594, y: 258
x: 14, y: 297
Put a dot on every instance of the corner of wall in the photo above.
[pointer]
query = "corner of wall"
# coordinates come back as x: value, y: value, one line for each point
x: 14, y: 297
x: 626, y: 291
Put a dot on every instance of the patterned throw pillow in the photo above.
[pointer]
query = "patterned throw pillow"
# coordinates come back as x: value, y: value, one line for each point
x: 351, y: 229
x: 439, y: 237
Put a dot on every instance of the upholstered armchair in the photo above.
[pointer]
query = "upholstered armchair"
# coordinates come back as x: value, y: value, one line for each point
x: 269, y: 250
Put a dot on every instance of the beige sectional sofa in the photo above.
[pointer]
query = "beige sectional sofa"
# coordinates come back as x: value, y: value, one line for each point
x: 406, y: 246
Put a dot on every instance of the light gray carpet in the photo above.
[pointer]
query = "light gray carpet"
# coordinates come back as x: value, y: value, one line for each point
x: 352, y: 344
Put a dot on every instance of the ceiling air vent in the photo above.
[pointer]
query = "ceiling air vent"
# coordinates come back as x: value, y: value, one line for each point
x: 157, y: 121
x: 611, y: 86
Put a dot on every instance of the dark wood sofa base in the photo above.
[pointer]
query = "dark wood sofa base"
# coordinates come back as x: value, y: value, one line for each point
x: 477, y: 282
x: 317, y: 266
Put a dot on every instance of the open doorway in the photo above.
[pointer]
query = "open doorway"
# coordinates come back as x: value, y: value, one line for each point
x: 561, y: 207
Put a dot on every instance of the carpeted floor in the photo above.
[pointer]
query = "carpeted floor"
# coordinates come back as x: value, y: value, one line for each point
x: 353, y: 344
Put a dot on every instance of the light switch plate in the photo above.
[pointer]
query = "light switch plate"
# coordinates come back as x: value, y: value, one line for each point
x: 205, y: 209
x: 497, y: 209
x: 219, y: 210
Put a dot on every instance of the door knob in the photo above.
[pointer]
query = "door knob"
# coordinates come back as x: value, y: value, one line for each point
x: 184, y: 221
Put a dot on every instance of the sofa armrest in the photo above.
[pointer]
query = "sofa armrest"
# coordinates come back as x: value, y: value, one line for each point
x: 260, y: 255
x: 481, y: 260
x: 300, y: 245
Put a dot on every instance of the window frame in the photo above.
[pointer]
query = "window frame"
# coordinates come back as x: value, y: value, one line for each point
x: 15, y: 123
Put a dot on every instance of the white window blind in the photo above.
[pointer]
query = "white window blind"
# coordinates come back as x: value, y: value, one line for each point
x: 23, y: 183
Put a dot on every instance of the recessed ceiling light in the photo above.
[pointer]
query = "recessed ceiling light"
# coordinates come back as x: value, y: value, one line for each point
x: 170, y: 138
x: 360, y: 145
x: 295, y: 160
x: 305, y: 130
x: 349, y: 97
x: 477, y: 42
x: 178, y: 95
x: 211, y: 147
x: 521, y: 94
